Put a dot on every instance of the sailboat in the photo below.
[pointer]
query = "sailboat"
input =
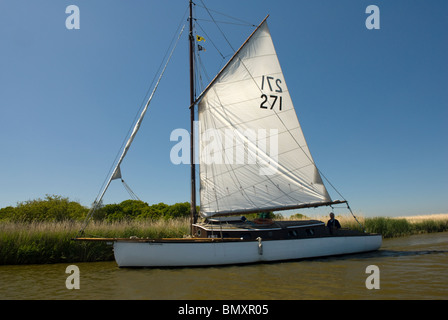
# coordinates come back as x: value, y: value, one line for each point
x: 253, y: 158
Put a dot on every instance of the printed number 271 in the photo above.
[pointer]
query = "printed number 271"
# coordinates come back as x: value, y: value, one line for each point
x: 271, y: 100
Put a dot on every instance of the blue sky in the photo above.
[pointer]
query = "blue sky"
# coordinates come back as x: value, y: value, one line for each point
x: 373, y: 104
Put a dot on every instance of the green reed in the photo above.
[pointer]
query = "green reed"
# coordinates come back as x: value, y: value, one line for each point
x: 51, y: 242
x: 398, y: 227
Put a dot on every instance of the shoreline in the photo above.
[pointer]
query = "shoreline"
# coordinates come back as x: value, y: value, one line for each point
x: 23, y: 243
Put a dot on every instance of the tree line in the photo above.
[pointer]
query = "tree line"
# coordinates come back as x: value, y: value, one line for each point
x: 58, y: 208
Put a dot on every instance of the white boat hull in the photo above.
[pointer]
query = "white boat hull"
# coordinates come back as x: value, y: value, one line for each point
x: 184, y: 254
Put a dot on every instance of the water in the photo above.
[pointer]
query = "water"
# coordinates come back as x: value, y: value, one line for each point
x: 410, y: 268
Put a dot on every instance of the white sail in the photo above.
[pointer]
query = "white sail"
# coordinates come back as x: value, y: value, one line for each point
x: 253, y: 155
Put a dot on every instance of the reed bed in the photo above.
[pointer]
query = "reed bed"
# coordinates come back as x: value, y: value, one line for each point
x: 390, y: 227
x: 51, y: 242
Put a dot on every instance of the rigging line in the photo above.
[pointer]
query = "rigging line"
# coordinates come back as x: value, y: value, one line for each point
x: 99, y: 198
x: 129, y: 190
x: 199, y: 76
x: 227, y: 22
x: 228, y: 16
x: 329, y: 182
x: 204, y: 71
x: 209, y: 38
x: 138, y: 124
x: 227, y: 40
x: 161, y: 63
x: 228, y: 62
x: 142, y: 104
x: 350, y: 209
x: 202, y: 65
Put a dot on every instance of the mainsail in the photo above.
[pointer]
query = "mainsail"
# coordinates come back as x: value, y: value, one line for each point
x: 253, y: 155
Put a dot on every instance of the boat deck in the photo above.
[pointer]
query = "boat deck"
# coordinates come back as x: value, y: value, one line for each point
x: 268, y: 229
x: 266, y: 224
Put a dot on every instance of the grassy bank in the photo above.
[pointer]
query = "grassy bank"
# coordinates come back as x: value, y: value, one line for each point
x: 400, y: 226
x: 50, y: 242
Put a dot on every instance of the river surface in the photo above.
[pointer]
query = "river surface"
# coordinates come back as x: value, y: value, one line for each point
x: 414, y: 267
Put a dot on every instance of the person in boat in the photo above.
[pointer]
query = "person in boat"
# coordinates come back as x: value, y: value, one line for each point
x: 333, y: 224
x: 264, y: 218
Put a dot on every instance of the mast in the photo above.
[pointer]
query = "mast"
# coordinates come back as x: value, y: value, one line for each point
x: 193, y: 213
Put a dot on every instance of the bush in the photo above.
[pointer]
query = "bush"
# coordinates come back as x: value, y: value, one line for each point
x: 178, y: 210
x: 52, y: 208
x: 6, y: 213
x: 138, y: 210
x: 126, y: 210
x: 298, y: 216
x: 57, y: 208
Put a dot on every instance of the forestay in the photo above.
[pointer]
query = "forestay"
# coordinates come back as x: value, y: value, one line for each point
x: 253, y: 155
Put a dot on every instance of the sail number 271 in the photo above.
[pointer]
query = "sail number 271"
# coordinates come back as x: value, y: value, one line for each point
x: 272, y: 100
